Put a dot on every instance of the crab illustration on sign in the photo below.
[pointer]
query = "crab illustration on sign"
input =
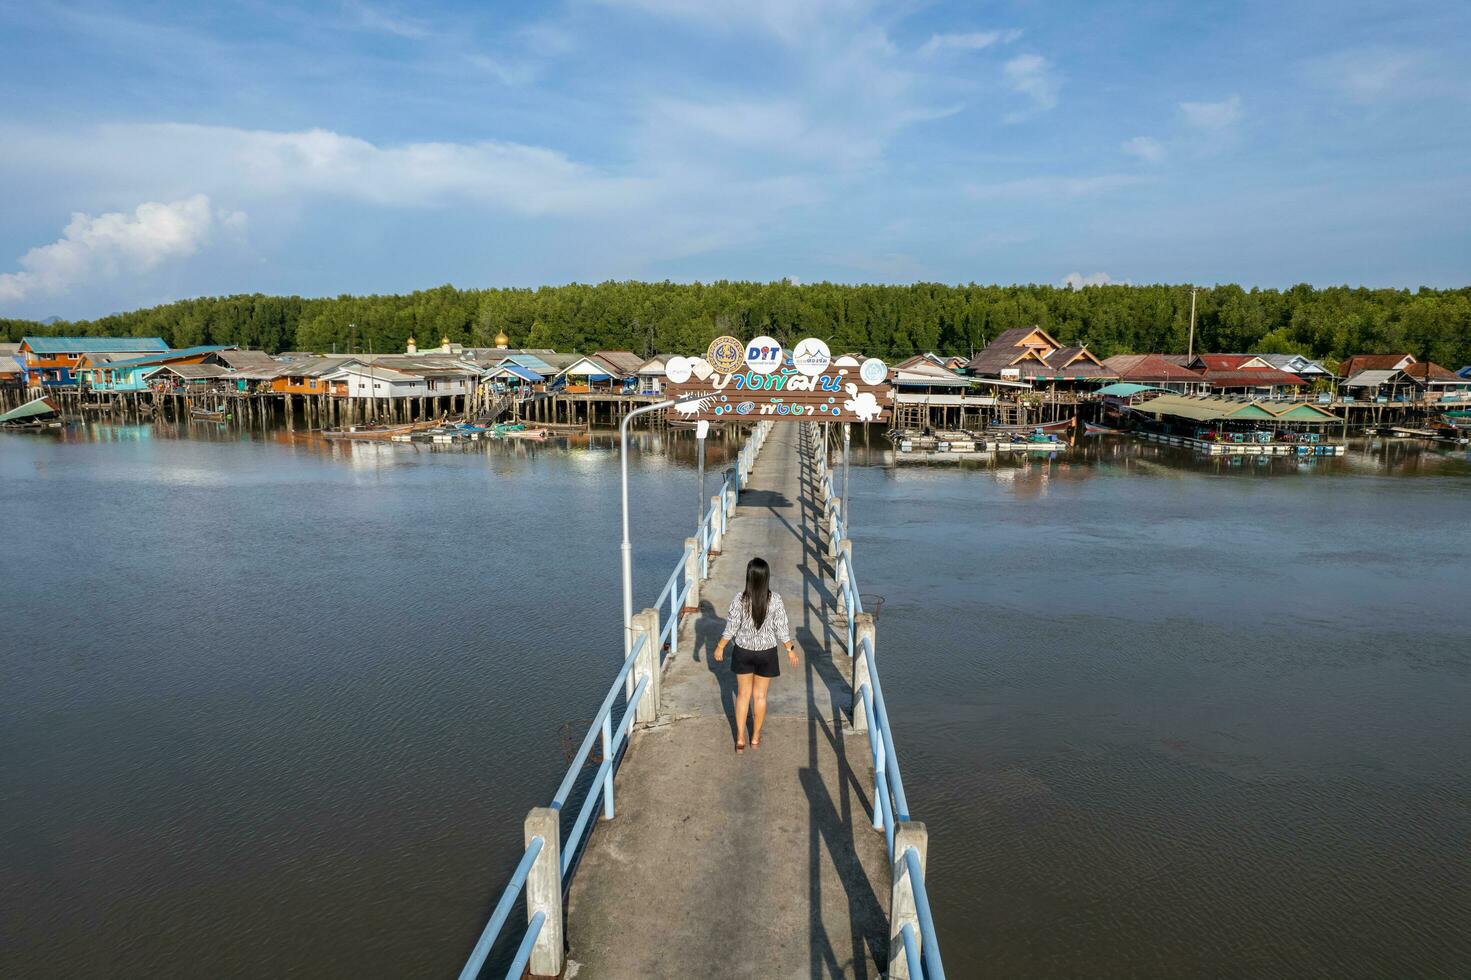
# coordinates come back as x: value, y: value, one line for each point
x: 864, y: 404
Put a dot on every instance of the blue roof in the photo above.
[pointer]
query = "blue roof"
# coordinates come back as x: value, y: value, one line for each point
x: 93, y: 345
x: 1465, y: 372
x: 531, y: 361
x: 167, y: 355
x: 525, y: 374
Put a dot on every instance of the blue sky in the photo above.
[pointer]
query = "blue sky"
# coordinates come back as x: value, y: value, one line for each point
x: 153, y: 150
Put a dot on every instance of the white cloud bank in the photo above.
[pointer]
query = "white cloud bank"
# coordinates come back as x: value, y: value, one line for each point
x: 1076, y: 280
x: 116, y: 244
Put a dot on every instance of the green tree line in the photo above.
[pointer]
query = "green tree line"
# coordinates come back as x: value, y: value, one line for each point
x: 886, y: 321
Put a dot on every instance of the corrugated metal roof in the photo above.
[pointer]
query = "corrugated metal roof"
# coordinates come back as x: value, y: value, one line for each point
x: 524, y: 373
x: 1369, y: 379
x: 1218, y: 409
x: 94, y: 345
x: 166, y: 356
x: 196, y: 372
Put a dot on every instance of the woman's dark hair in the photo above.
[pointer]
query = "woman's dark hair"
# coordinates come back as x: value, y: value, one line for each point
x: 758, y: 589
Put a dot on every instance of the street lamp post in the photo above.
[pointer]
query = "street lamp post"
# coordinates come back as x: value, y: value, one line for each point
x: 627, y: 548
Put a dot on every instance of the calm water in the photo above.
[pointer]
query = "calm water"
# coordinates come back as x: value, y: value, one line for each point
x: 277, y: 708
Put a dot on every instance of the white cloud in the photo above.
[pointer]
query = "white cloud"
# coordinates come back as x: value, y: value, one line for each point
x: 116, y: 244
x: 973, y: 41
x: 788, y: 20
x: 1052, y: 187
x: 1033, y: 76
x: 1213, y: 117
x: 1146, y: 148
x: 1076, y: 280
x: 377, y: 19
x: 148, y: 159
x: 1378, y: 75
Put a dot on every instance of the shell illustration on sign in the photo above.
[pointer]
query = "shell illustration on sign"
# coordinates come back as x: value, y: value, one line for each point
x: 864, y: 405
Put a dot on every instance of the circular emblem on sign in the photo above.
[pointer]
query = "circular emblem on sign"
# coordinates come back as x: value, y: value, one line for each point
x: 678, y: 369
x: 763, y: 355
x: 811, y: 357
x: 725, y: 354
x: 873, y: 371
x: 745, y: 408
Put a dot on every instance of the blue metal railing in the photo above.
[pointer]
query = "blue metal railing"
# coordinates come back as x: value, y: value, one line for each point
x: 922, y: 955
x: 677, y: 589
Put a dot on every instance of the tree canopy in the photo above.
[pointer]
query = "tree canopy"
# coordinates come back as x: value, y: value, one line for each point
x: 880, y: 320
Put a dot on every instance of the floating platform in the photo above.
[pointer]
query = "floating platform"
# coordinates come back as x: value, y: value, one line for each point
x: 1246, y: 448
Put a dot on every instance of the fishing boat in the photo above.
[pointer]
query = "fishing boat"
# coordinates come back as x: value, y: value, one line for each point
x: 207, y: 415
x: 1061, y: 426
x: 38, y: 413
x: 535, y: 435
x: 380, y: 433
x: 1094, y: 429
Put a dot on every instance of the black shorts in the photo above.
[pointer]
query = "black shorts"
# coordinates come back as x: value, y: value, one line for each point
x: 762, y: 663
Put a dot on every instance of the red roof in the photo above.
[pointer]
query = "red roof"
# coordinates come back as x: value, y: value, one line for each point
x: 1250, y: 376
x: 1231, y: 362
x: 1148, y: 368
x: 1430, y: 370
x: 1373, y: 362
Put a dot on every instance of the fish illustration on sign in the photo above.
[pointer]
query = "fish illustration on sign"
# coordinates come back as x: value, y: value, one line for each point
x: 864, y: 405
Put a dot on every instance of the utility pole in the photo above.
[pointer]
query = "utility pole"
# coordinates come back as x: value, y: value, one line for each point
x: 1191, y: 352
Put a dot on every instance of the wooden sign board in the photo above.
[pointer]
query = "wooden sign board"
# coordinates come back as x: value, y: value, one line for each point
x: 836, y: 395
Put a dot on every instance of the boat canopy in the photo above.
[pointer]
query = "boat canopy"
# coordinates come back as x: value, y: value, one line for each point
x: 36, y: 408
x: 1123, y: 389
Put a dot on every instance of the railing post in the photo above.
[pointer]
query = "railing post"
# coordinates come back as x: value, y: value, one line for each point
x: 844, y: 557
x: 902, y: 909
x: 862, y: 629
x: 691, y: 575
x: 717, y: 522
x: 544, y: 890
x: 646, y: 664
x: 834, y: 540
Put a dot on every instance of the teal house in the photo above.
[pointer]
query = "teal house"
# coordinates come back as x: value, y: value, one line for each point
x: 99, y: 373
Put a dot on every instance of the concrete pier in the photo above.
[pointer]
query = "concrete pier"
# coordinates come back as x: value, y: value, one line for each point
x: 757, y: 865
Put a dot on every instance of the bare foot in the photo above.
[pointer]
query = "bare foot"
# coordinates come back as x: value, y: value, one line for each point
x: 755, y: 741
x: 740, y: 747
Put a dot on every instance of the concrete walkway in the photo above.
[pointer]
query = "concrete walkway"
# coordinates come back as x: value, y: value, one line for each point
x: 762, y: 865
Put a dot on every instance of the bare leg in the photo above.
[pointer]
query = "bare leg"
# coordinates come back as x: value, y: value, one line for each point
x: 742, y: 704
x: 758, y: 698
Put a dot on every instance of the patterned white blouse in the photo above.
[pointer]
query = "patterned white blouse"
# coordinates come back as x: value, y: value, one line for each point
x: 750, y: 636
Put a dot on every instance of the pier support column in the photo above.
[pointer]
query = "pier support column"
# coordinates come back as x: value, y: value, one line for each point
x: 862, y: 629
x: 544, y: 891
x: 692, y: 575
x: 902, y: 909
x: 646, y: 664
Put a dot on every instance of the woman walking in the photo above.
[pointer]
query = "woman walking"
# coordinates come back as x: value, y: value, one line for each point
x: 757, y: 621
